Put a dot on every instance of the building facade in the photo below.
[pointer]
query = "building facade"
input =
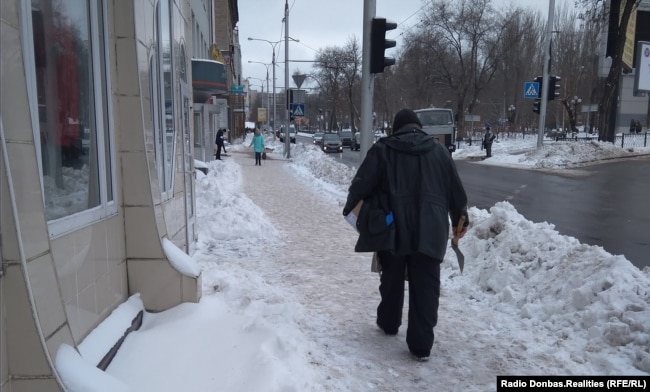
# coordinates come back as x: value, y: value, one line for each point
x: 97, y: 138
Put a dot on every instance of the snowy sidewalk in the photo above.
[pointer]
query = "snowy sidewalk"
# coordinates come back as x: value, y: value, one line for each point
x: 289, y: 306
x: 336, y: 287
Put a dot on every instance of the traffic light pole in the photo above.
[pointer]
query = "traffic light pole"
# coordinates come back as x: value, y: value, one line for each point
x: 287, y: 139
x: 367, y: 80
x: 545, y: 85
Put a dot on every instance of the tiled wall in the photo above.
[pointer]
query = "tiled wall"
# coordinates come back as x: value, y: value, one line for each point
x: 75, y: 280
x: 91, y: 267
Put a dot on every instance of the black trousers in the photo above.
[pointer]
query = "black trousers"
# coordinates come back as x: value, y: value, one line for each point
x: 424, y: 293
x: 219, y: 147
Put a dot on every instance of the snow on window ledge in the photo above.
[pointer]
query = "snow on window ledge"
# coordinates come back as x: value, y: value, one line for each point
x: 180, y: 260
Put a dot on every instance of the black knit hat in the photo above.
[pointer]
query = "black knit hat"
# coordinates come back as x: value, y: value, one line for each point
x: 404, y: 117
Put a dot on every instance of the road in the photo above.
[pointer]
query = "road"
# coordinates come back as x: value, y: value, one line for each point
x: 606, y: 204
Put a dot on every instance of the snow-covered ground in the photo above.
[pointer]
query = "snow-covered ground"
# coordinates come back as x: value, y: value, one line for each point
x: 289, y: 306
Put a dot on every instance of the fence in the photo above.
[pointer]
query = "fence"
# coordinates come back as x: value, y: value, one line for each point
x: 623, y: 140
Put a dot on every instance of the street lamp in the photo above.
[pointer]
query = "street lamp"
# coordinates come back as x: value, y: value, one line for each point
x: 268, y: 107
x: 267, y: 95
x: 273, y: 46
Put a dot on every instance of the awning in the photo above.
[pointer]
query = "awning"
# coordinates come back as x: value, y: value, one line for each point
x: 208, y: 78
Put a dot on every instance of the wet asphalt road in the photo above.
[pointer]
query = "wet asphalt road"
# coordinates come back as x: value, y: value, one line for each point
x: 606, y: 204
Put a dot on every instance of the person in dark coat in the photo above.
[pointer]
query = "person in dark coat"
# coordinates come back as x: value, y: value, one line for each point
x: 487, y: 141
x: 418, y: 177
x: 219, y: 142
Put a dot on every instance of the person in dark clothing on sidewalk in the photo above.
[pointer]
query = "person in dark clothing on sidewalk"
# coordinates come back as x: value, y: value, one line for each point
x: 417, y: 177
x: 488, y: 139
x: 219, y: 142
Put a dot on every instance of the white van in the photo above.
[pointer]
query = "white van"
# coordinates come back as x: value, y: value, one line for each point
x: 439, y: 123
x: 292, y: 133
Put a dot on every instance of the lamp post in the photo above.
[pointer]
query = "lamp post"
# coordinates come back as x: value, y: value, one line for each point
x: 268, y: 103
x: 267, y: 94
x: 273, y: 44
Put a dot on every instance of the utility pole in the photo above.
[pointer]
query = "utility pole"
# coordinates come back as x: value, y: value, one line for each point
x: 287, y: 140
x: 545, y: 84
x: 367, y: 80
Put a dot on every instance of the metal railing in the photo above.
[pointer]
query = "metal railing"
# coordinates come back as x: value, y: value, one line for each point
x: 632, y: 140
x: 623, y: 140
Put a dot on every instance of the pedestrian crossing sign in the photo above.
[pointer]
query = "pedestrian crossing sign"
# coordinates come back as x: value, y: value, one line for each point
x: 298, y: 109
x: 531, y: 90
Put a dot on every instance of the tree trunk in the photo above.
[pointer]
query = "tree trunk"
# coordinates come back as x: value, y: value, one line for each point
x: 609, y: 100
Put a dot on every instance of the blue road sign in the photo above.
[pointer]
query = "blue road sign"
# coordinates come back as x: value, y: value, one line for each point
x: 298, y: 109
x: 531, y: 90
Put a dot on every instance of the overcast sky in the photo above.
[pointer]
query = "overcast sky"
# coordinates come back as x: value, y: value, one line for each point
x: 319, y: 24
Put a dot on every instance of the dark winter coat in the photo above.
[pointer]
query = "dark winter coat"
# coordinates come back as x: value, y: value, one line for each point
x: 423, y: 189
x: 488, y: 138
x: 219, y: 138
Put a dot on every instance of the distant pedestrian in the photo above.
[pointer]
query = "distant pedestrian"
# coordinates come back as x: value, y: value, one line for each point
x: 219, y: 142
x: 258, y: 146
x: 225, y: 136
x: 487, y: 141
x: 410, y: 189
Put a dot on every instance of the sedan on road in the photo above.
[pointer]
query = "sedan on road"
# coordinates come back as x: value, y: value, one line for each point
x: 346, y: 138
x: 332, y: 143
x: 317, y: 139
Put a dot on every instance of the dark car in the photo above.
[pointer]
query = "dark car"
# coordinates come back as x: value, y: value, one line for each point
x: 346, y: 138
x: 318, y: 138
x: 332, y: 143
x: 356, y: 141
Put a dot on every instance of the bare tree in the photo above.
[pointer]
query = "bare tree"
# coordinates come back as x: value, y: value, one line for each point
x: 569, y: 49
x: 461, y: 39
x: 330, y: 68
x: 596, y: 11
x: 521, y: 60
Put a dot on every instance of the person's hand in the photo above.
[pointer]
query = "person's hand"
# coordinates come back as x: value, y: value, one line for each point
x: 461, y: 233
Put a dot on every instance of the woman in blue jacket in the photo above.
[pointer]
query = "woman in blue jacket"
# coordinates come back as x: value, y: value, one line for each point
x: 258, y: 146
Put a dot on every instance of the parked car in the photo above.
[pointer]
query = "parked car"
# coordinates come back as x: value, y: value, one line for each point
x: 356, y: 141
x: 346, y: 138
x: 332, y: 143
x: 318, y: 138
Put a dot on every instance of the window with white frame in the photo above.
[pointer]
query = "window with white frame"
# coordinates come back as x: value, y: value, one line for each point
x: 72, y: 97
x: 163, y: 99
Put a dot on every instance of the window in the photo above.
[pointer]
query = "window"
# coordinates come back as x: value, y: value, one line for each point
x: 163, y: 101
x: 73, y: 101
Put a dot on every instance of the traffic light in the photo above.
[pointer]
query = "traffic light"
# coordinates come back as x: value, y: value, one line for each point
x: 536, y: 105
x: 553, y: 87
x: 379, y: 43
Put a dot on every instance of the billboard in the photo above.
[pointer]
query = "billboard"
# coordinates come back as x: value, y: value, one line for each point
x: 261, y: 115
x: 642, y: 75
